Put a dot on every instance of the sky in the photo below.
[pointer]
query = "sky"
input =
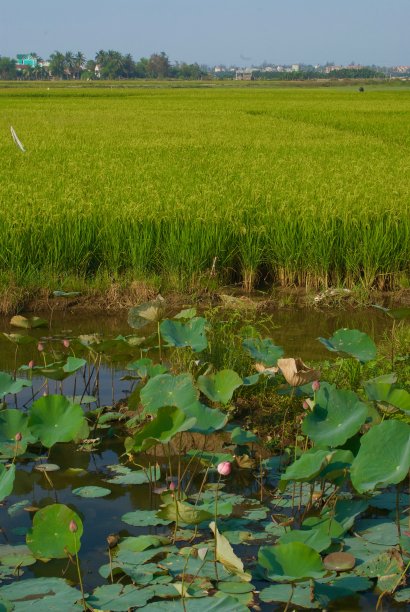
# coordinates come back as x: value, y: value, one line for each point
x: 231, y: 32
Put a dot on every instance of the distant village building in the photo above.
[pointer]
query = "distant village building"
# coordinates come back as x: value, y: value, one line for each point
x: 26, y: 59
x: 295, y: 67
x: 244, y: 75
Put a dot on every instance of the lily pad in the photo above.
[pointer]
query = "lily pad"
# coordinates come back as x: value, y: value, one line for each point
x: 16, y: 556
x: 39, y: 594
x: 47, y: 467
x: 143, y: 518
x: 50, y: 536
x: 282, y: 593
x: 185, y: 513
x: 91, y: 492
x: 125, y: 476
x: 119, y: 598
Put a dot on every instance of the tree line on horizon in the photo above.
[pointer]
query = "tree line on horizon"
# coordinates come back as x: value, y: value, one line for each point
x: 113, y: 65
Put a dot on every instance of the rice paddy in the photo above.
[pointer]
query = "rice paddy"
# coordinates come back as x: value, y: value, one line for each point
x: 290, y: 186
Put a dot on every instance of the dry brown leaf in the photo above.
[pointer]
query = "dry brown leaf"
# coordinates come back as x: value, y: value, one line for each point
x: 296, y: 372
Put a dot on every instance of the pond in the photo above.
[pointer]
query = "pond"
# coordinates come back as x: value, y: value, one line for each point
x: 173, y: 456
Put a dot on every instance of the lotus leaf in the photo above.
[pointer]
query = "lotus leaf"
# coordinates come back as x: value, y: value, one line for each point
x: 150, y: 312
x: 226, y: 555
x: 50, y: 536
x: 352, y: 342
x: 27, y: 323
x: 339, y: 562
x: 263, y: 350
x: 315, y: 538
x: 14, y: 556
x: 383, y: 458
x: 13, y: 422
x: 19, y: 339
x: 125, y: 476
x: 208, y: 419
x: 327, y: 524
x: 191, y: 334
x: 220, y: 387
x: 10, y: 385
x: 39, y: 594
x: 290, y: 562
x: 388, y: 394
x: 142, y: 542
x: 226, y: 603
x: 168, y: 422
x: 54, y: 418
x: 327, y: 591
x: 336, y: 417
x: 119, y: 598
x: 145, y: 368
x: 7, y: 476
x: 242, y: 436
x: 387, y: 567
x: 168, y: 390
x: 91, y: 492
x: 184, y: 513
x: 143, y: 518
x: 296, y: 372
x: 308, y: 466
x: 297, y: 595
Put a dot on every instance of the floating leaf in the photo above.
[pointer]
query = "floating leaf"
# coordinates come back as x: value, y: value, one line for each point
x: 168, y: 390
x: 297, y: 595
x: 125, y: 476
x: 329, y: 590
x: 19, y: 339
x: 142, y: 542
x: 91, y: 492
x: 39, y: 594
x: 183, y: 513
x: 336, y: 417
x: 119, y: 598
x: 47, y: 467
x: 168, y: 422
x: 191, y: 334
x: 387, y: 567
x: 143, y: 518
x: 339, y: 562
x: 353, y: 342
x: 289, y: 562
x: 263, y: 350
x: 50, y: 536
x: 383, y: 458
x: 315, y: 538
x: 14, y: 556
x: 54, y: 418
x: 220, y: 387
x: 27, y: 323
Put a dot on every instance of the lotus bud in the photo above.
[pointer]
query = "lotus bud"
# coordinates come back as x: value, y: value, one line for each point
x: 305, y: 405
x: 40, y: 347
x: 31, y: 364
x: 18, y: 437
x: 224, y: 468
x: 315, y: 385
x: 73, y: 527
x: 172, y: 486
x: 66, y: 343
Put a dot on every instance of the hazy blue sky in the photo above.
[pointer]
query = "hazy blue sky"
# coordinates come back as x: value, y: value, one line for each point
x: 214, y: 31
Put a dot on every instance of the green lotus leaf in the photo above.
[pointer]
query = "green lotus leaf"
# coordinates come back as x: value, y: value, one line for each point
x: 145, y: 368
x: 263, y: 351
x: 389, y: 394
x: 208, y: 419
x: 184, y: 513
x: 225, y: 603
x: 352, y: 342
x: 297, y: 595
x: 191, y: 334
x: 10, y: 385
x: 338, y: 466
x: 290, y: 562
x: 27, y: 323
x: 187, y: 313
x: 14, y: 422
x: 39, y: 594
x: 242, y: 436
x: 315, y: 538
x: 144, y: 518
x: 142, y: 542
x: 119, y: 598
x: 54, y: 418
x: 7, y: 476
x: 327, y: 524
x: 168, y: 422
x: 19, y: 339
x: 383, y: 457
x: 91, y: 492
x: 308, y: 466
x: 125, y: 476
x: 336, y: 417
x: 387, y: 567
x: 168, y: 390
x: 14, y: 556
x: 346, y: 511
x: 328, y: 590
x: 50, y: 536
x: 220, y: 387
x: 150, y: 312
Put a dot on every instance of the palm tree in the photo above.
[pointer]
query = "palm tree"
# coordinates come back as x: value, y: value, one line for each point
x: 79, y: 63
x: 70, y: 63
x: 57, y: 64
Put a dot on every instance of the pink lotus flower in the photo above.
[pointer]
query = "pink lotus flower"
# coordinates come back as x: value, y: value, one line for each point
x: 224, y: 468
x: 40, y: 347
x: 18, y: 437
x: 66, y: 343
x: 305, y: 405
x: 73, y: 526
x: 315, y: 385
x: 172, y: 486
x: 31, y: 364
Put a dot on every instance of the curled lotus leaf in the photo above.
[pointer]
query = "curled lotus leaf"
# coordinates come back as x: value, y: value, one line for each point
x: 339, y: 562
x: 296, y: 372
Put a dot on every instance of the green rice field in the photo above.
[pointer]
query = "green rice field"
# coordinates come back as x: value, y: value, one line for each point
x: 285, y: 186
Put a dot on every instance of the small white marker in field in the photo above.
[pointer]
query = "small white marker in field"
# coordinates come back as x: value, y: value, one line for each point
x: 16, y: 139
